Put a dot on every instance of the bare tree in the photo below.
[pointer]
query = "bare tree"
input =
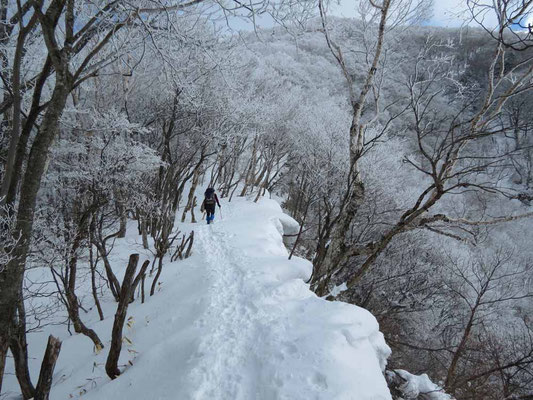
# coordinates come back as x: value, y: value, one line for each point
x: 448, y: 158
x: 76, y: 48
x: 336, y: 252
x: 126, y: 292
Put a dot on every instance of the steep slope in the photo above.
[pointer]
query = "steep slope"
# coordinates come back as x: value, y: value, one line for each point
x: 235, y: 321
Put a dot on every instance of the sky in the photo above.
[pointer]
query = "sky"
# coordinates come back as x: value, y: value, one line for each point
x: 446, y: 13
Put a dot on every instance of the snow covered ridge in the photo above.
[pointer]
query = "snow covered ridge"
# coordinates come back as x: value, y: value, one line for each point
x: 296, y: 345
x: 235, y: 321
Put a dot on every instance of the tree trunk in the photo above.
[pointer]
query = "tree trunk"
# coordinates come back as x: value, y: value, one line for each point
x: 156, y: 278
x: 189, y: 248
x: 140, y: 276
x: 143, y: 278
x: 111, y: 365
x: 194, y: 204
x: 251, y: 169
x: 47, y: 368
x: 15, y: 120
x: 449, y: 383
x: 17, y: 100
x: 191, y: 199
x: 262, y: 186
x: 300, y: 231
x: 26, y: 131
x: 144, y: 232
x: 4, y: 346
x: 258, y: 179
x: 335, y: 253
x: 114, y: 285
x: 97, y: 238
x: 19, y: 349
x: 70, y: 288
x: 123, y: 220
x: 79, y: 326
x: 92, y: 263
x: 12, y: 276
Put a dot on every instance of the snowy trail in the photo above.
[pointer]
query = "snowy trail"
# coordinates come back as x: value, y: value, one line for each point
x: 261, y: 345
x: 236, y: 321
x: 229, y: 366
x: 225, y: 349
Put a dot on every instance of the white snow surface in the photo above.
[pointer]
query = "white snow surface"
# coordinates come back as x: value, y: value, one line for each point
x: 235, y: 321
x: 420, y: 385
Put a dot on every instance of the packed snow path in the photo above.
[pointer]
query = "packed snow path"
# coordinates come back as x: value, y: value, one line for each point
x: 236, y: 321
x: 260, y: 318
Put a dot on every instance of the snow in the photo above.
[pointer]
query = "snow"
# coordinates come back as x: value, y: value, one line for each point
x: 418, y: 385
x: 235, y: 321
x: 287, y: 226
x: 338, y: 289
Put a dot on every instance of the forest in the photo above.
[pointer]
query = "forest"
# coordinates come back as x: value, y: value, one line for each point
x: 403, y: 150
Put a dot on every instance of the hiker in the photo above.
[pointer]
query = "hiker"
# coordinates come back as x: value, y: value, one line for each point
x: 208, y: 205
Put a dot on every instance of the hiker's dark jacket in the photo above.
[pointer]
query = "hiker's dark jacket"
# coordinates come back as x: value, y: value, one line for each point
x: 210, y: 207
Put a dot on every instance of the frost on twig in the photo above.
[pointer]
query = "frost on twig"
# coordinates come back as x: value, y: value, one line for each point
x: 8, y: 239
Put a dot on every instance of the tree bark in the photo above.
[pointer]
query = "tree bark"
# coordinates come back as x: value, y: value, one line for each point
x: 144, y: 230
x: 111, y: 365
x: 26, y: 131
x: 335, y: 255
x: 251, y: 168
x: 70, y: 286
x: 156, y: 278
x: 140, y: 276
x: 449, y: 382
x: 19, y: 349
x: 189, y: 248
x: 47, y: 368
x: 143, y: 277
x: 191, y: 200
x: 4, y: 346
x: 79, y: 326
x: 92, y: 263
x: 194, y: 204
x: 262, y: 186
x: 123, y: 220
x: 17, y: 100
x: 12, y: 276
x: 300, y: 231
x: 114, y: 285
